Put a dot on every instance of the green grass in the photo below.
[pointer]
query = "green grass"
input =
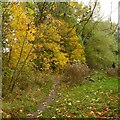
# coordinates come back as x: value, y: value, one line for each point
x: 97, y: 99
x: 23, y: 102
x: 93, y: 99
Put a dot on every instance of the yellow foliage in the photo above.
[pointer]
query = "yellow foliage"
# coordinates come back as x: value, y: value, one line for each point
x: 23, y: 30
x: 78, y: 54
x: 54, y: 37
x: 61, y: 59
x: 56, y: 41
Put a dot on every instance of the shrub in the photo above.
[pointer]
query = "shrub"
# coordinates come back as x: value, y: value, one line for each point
x: 75, y: 72
x: 112, y: 72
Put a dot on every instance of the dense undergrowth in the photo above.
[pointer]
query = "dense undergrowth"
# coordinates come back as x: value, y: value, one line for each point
x: 26, y: 100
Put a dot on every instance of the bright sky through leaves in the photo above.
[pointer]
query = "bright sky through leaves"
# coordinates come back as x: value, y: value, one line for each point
x: 106, y: 9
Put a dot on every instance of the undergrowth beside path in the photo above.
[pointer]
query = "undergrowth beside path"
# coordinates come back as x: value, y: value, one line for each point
x: 23, y: 102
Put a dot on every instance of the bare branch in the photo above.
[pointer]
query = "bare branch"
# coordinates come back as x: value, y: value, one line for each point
x: 89, y: 16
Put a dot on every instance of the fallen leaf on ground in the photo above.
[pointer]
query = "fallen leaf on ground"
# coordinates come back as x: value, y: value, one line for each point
x: 29, y: 115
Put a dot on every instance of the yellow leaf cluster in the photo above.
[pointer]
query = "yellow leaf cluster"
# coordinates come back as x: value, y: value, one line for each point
x: 56, y: 41
x: 23, y: 31
x: 54, y: 37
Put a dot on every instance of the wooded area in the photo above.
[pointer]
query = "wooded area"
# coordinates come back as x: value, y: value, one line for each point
x: 67, y: 42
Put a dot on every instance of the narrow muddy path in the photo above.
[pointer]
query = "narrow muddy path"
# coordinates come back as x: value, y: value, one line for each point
x: 52, y: 94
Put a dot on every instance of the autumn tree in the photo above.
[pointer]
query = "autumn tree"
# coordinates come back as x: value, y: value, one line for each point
x: 55, y: 50
x: 46, y: 36
x: 19, y: 30
x: 28, y: 39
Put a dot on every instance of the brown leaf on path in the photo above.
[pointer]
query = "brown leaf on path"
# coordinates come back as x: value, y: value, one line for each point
x: 29, y: 115
x: 92, y: 113
x: 68, y: 116
x: 21, y: 110
x: 1, y: 111
x: 99, y: 113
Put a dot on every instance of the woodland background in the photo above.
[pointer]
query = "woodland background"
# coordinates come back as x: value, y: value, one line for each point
x: 43, y: 40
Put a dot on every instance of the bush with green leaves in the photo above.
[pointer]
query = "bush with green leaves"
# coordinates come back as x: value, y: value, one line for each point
x: 101, y: 46
x: 75, y: 72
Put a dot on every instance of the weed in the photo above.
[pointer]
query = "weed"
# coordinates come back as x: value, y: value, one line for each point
x: 75, y: 73
x: 25, y: 101
x: 112, y: 72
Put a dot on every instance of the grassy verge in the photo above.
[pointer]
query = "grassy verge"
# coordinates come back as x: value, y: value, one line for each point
x: 23, y: 102
x: 97, y: 99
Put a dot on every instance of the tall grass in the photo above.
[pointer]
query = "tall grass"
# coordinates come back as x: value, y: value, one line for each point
x: 75, y: 73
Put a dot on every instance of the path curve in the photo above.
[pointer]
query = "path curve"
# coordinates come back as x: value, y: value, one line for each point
x: 42, y: 107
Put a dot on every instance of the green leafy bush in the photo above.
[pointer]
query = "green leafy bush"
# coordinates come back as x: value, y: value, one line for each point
x: 75, y: 72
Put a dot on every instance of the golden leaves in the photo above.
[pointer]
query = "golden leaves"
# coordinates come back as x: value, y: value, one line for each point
x: 24, y: 31
x: 56, y: 40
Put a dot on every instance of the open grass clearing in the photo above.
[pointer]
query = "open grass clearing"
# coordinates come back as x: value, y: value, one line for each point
x: 97, y: 99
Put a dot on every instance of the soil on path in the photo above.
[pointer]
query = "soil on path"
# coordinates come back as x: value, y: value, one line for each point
x: 51, y: 97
